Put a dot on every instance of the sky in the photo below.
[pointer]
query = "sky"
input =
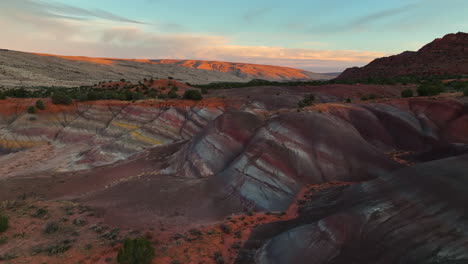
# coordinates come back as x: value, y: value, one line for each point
x: 315, y: 35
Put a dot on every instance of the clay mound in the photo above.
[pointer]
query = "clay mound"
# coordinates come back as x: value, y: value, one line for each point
x: 415, y: 215
x: 445, y: 56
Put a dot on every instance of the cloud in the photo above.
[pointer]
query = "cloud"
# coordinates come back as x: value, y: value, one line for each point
x: 58, y: 10
x: 362, y: 22
x: 28, y: 25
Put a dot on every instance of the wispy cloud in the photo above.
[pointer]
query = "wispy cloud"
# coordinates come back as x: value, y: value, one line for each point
x: 50, y: 27
x: 59, y: 10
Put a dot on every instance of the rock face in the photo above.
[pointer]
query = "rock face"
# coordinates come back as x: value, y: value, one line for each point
x: 248, y: 70
x: 445, y: 56
x: 415, y: 215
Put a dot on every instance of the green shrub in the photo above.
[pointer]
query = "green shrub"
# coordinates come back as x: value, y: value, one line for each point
x: 430, y: 89
x: 2, y: 96
x: 307, y: 101
x: 61, y: 99
x: 465, y: 92
x: 193, y: 95
x: 51, y: 227
x: 372, y: 97
x: 172, y: 94
x: 218, y: 258
x: 4, y: 223
x: 225, y: 228
x: 136, y: 251
x: 40, y: 105
x: 32, y: 109
x: 348, y: 100
x: 407, y: 93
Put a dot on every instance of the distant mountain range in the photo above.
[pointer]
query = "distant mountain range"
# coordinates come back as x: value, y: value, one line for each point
x: 31, y: 69
x: 444, y: 56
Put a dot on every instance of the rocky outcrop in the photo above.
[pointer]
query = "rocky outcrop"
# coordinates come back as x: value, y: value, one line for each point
x: 445, y: 56
x: 415, y: 215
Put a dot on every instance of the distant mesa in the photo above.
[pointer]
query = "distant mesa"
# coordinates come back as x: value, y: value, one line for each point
x: 444, y: 56
x: 33, y: 69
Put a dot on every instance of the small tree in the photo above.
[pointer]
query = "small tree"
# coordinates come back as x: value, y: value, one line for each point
x: 193, y: 95
x: 61, y: 99
x: 307, y: 101
x: 407, y: 93
x: 4, y: 223
x: 32, y: 109
x: 172, y: 94
x: 136, y: 251
x: 40, y: 105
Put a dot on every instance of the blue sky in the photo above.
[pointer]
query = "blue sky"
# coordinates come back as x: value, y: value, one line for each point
x: 315, y: 35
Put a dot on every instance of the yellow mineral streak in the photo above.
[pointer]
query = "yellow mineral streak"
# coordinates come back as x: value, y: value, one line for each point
x: 145, y: 139
x: 124, y: 125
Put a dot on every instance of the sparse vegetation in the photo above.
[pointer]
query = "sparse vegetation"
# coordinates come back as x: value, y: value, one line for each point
x: 465, y: 92
x: 193, y: 95
x: 4, y: 223
x: 31, y: 109
x: 61, y: 98
x: 40, y: 213
x: 307, y: 101
x: 430, y: 89
x: 51, y: 227
x: 218, y: 258
x: 225, y: 228
x: 136, y: 251
x: 40, y: 105
x: 407, y: 93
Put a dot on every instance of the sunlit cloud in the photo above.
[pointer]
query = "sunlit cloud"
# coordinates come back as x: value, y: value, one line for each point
x: 29, y: 26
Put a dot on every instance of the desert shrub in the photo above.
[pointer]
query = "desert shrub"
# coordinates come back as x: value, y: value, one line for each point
x: 218, y: 258
x: 225, y: 228
x: 465, y: 92
x: 430, y: 89
x: 172, y: 94
x: 193, y: 95
x: 3, y: 240
x: 372, y: 97
x: 61, y: 99
x: 308, y: 100
x: 364, y: 98
x: 80, y: 222
x: 136, y: 251
x: 41, y: 212
x: 4, y: 223
x: 2, y: 96
x: 407, y: 93
x: 348, y: 100
x: 51, y: 227
x: 40, y: 105
x: 32, y: 109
